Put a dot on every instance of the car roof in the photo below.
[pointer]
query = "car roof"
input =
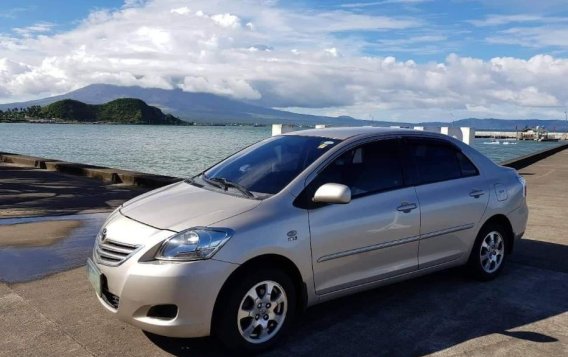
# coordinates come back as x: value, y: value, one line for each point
x: 342, y: 133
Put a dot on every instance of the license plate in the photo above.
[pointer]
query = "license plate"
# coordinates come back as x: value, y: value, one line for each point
x: 94, y: 275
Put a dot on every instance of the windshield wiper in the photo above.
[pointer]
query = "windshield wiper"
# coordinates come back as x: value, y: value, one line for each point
x: 226, y: 184
x: 213, y: 182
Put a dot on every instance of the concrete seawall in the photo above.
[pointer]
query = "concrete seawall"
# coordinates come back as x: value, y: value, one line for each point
x: 495, y: 134
x: 141, y: 179
x: 105, y: 174
x: 524, y: 161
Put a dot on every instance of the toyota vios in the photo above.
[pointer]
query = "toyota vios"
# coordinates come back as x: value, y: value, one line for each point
x: 298, y: 219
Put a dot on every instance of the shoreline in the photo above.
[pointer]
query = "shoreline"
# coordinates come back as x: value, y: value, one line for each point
x: 480, y: 133
x: 49, y: 121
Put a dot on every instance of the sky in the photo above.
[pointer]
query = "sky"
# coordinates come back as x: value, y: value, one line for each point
x: 399, y: 60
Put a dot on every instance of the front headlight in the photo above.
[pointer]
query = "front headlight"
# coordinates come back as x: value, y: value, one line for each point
x: 194, y: 244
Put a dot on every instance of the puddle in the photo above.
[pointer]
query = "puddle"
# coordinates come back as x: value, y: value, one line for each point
x: 21, y: 264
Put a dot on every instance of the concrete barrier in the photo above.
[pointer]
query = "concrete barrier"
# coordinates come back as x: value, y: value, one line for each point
x: 279, y: 129
x: 105, y: 174
x: 524, y: 161
x: 97, y: 172
x: 465, y: 134
x: 25, y: 160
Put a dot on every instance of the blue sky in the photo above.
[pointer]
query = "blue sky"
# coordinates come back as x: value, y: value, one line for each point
x: 384, y: 59
x: 63, y: 13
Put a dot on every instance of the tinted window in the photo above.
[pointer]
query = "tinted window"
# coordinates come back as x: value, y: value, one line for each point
x: 435, y: 162
x: 467, y: 167
x: 267, y: 167
x: 366, y: 169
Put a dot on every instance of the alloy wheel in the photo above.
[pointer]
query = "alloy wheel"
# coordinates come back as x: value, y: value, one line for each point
x: 262, y: 312
x: 492, y: 251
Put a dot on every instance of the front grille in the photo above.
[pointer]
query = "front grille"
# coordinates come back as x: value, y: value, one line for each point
x: 113, y: 253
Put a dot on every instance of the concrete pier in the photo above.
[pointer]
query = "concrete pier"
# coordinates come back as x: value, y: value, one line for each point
x: 496, y: 134
x: 523, y: 312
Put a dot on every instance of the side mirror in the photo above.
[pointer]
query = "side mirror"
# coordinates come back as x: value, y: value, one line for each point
x: 333, y: 193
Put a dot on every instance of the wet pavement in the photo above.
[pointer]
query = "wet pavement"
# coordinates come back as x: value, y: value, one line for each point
x: 20, y: 264
x: 29, y: 195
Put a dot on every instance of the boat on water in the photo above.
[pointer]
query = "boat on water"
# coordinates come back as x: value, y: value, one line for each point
x: 537, y: 134
x: 492, y: 142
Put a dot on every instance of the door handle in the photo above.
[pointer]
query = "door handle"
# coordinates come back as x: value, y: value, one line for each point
x: 406, y: 207
x: 477, y: 193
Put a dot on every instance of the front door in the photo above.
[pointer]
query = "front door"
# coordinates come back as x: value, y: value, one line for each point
x: 373, y: 237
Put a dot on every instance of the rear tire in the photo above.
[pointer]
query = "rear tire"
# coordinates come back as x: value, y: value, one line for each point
x: 256, y: 311
x: 489, y: 252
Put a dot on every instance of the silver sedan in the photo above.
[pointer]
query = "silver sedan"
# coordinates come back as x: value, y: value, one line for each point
x: 238, y: 250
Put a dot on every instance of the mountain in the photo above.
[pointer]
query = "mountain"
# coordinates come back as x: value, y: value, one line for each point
x: 197, y: 107
x: 507, y: 124
x: 214, y: 109
x: 123, y: 111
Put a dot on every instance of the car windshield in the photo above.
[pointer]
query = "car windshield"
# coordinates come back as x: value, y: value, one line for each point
x: 268, y: 166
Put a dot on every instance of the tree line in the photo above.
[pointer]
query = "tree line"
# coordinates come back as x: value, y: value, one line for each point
x: 16, y: 114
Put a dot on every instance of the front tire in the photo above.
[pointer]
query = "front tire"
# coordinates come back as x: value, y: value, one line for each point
x: 256, y: 311
x: 488, y: 255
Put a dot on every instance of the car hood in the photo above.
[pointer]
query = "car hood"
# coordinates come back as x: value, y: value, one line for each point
x: 181, y: 206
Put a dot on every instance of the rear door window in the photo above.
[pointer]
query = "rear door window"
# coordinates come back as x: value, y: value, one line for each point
x: 435, y: 161
x: 467, y: 167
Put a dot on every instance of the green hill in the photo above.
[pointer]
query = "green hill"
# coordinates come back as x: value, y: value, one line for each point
x: 123, y: 111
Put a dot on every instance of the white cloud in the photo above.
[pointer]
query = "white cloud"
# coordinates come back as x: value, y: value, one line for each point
x: 332, y: 51
x: 532, y: 37
x: 232, y: 87
x: 282, y: 59
x: 383, y: 2
x: 499, y: 20
x: 14, y: 12
x: 40, y: 27
x: 227, y: 20
x: 181, y: 10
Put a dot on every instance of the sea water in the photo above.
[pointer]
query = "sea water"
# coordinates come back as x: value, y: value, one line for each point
x: 168, y: 150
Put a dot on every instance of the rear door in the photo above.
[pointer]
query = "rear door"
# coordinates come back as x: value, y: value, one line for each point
x: 453, y: 198
x: 373, y: 237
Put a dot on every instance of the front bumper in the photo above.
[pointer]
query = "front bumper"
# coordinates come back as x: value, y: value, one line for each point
x: 133, y: 286
x: 192, y: 287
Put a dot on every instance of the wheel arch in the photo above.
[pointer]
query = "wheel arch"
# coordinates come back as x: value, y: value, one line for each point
x: 503, y: 221
x: 267, y: 260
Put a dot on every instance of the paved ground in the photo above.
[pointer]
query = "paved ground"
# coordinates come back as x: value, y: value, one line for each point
x: 26, y: 191
x: 524, y: 312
